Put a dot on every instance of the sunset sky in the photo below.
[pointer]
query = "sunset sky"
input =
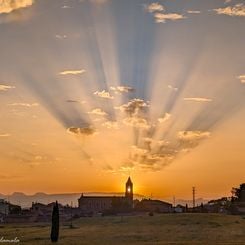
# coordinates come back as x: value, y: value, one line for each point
x: 93, y: 91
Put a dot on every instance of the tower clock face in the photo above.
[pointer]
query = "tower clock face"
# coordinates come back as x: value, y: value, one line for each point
x: 129, y: 189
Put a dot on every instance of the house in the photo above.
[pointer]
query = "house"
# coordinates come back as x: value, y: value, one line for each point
x: 43, y: 212
x: 4, y: 207
x: 157, y: 206
x: 100, y: 204
x: 180, y: 209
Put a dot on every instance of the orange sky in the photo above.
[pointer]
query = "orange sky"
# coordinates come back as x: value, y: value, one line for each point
x: 94, y: 91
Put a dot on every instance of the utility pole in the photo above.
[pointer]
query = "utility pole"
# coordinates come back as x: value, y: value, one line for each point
x: 174, y: 204
x: 194, y: 196
x: 71, y: 225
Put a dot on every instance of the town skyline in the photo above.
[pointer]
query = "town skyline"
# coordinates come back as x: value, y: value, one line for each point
x: 93, y: 91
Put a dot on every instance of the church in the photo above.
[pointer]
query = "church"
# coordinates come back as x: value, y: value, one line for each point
x: 100, y: 204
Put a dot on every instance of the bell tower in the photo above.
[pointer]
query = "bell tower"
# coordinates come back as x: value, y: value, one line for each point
x: 129, y: 189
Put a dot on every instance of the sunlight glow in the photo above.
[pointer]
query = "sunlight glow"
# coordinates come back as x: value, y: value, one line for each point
x: 117, y: 88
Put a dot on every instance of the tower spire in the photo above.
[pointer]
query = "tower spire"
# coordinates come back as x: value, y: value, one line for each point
x: 129, y: 189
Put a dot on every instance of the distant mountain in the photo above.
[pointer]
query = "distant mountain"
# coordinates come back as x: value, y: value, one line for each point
x: 25, y: 201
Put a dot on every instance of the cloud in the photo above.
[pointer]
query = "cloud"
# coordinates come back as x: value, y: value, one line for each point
x: 154, y: 7
x: 122, y: 89
x: 111, y: 125
x: 7, y: 6
x: 193, y: 12
x: 38, y: 160
x: 4, y: 177
x: 172, y: 88
x: 193, y: 135
x: 5, y: 87
x: 133, y: 106
x: 191, y: 139
x: 124, y: 169
x: 81, y: 131
x: 137, y: 150
x: 60, y: 36
x: 151, y: 155
x: 241, y: 78
x: 76, y: 101
x: 137, y: 122
x: 72, y: 72
x: 197, y: 99
x: 24, y: 104
x: 161, y: 17
x: 237, y: 10
x: 16, y: 16
x: 160, y: 14
x: 103, y: 94
x: 66, y: 7
x: 158, y: 142
x: 147, y: 159
x: 135, y: 112
x: 155, y: 162
x: 109, y: 168
x: 164, y: 118
x: 227, y: 1
x: 4, y: 135
x: 98, y: 111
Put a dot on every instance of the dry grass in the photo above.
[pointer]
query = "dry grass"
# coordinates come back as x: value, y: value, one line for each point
x: 143, y: 229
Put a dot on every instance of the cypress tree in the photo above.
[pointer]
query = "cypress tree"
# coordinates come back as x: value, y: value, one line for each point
x: 55, y: 223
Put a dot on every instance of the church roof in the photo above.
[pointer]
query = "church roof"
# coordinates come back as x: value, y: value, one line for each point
x: 129, y: 181
x: 101, y: 197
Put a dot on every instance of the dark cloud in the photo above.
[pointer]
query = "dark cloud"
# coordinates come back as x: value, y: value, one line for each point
x: 133, y: 107
x: 81, y: 131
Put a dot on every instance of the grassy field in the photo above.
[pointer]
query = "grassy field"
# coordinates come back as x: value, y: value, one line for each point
x: 143, y: 229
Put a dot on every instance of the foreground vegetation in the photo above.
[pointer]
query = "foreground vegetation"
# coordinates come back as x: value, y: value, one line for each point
x: 141, y: 229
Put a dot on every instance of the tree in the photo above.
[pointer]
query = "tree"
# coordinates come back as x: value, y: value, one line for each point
x: 186, y: 208
x: 202, y: 207
x: 55, y: 223
x: 238, y: 194
x: 14, y: 209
